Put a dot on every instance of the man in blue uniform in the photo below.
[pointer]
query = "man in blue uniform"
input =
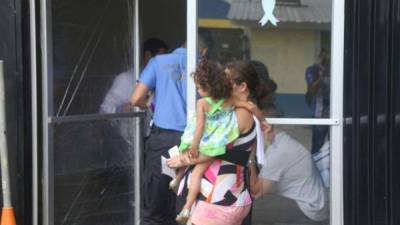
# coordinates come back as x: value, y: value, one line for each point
x: 164, y: 75
x: 118, y: 142
x: 318, y: 97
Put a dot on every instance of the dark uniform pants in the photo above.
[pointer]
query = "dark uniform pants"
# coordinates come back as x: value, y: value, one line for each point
x: 319, y: 134
x: 159, y: 201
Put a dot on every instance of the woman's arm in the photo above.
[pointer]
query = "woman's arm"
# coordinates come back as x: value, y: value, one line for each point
x: 255, y: 186
x: 185, y: 160
x: 198, y: 132
x: 245, y: 120
x: 245, y: 123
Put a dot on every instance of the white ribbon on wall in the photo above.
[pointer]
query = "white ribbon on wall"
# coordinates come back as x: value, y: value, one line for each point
x: 268, y: 7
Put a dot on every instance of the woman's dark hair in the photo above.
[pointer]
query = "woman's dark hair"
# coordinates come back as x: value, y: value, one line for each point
x: 212, y: 78
x: 261, y: 92
x: 261, y: 69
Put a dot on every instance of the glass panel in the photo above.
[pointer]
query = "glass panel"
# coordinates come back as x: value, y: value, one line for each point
x: 299, y: 191
x: 92, y: 43
x: 298, y: 45
x: 94, y: 172
x: 166, y: 21
x: 92, y: 72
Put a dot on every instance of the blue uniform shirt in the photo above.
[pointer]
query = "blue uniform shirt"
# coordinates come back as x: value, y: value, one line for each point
x: 165, y: 75
x: 320, y: 102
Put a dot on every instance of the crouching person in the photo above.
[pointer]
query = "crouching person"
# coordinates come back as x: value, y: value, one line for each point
x: 291, y: 188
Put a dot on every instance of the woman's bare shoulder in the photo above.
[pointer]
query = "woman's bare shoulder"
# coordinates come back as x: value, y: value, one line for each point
x: 245, y: 119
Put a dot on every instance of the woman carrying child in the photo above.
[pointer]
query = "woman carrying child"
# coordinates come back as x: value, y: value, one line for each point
x: 212, y: 127
x: 223, y: 130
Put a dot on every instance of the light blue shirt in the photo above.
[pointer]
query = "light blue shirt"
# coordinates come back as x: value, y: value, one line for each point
x: 166, y: 76
x: 289, y: 164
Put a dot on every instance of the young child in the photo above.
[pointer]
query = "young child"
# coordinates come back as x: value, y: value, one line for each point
x: 211, y: 129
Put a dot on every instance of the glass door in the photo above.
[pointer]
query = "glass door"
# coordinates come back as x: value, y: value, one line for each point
x: 303, y: 56
x: 91, y: 138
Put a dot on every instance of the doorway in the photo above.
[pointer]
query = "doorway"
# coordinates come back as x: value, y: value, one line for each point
x: 92, y: 144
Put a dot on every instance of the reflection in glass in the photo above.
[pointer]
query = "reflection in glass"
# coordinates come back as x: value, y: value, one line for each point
x: 296, y: 53
x: 92, y: 42
x: 93, y: 172
x: 295, y: 182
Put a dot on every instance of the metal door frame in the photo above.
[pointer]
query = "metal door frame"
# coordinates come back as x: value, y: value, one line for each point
x: 336, y: 115
x: 47, y: 170
x: 335, y: 121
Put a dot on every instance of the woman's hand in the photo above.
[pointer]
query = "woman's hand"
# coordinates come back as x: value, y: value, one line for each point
x: 175, y: 162
x: 265, y: 126
x: 252, y: 107
x: 179, y: 161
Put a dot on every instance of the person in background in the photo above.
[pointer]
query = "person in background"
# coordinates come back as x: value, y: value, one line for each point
x: 294, y: 189
x: 118, y: 134
x: 165, y: 76
x: 318, y: 97
x: 118, y: 96
x: 153, y: 47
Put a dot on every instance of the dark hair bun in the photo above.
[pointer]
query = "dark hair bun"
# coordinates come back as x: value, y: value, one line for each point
x: 261, y: 91
x: 265, y: 92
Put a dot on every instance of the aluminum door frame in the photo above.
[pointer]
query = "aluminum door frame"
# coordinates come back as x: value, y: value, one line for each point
x: 336, y: 115
x: 47, y: 177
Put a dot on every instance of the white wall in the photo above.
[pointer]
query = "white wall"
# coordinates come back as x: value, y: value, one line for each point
x: 287, y: 53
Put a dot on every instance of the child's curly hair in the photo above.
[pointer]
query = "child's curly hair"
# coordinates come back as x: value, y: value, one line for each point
x: 212, y: 78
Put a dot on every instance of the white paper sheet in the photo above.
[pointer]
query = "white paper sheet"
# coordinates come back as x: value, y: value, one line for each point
x: 165, y: 169
x: 174, y: 151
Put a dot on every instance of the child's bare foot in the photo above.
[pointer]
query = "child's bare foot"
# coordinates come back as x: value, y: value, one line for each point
x: 174, y: 185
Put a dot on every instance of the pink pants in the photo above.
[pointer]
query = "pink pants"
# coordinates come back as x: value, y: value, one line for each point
x: 209, y: 214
